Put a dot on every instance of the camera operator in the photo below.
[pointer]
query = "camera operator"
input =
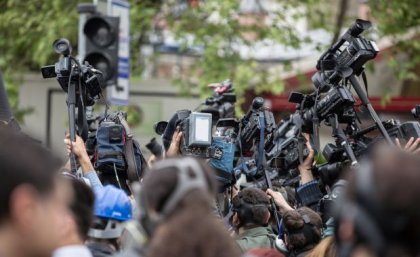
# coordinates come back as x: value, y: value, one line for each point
x: 32, y: 203
x: 79, y: 149
x: 379, y: 214
x: 308, y: 192
x: 112, y: 210
x: 78, y: 219
x: 251, y: 219
x: 172, y: 136
x: 176, y: 200
x: 303, y: 226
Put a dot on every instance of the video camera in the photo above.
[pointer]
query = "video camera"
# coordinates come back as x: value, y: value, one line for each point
x: 286, y: 146
x: 256, y: 119
x: 68, y: 70
x: 345, y: 58
x: 196, y: 128
x: 222, y: 103
x: 82, y: 83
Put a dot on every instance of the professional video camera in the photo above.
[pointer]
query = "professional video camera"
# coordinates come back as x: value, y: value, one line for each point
x: 197, y: 138
x: 255, y: 126
x: 345, y: 58
x: 82, y: 83
x: 222, y: 103
x: 69, y: 71
x: 286, y: 146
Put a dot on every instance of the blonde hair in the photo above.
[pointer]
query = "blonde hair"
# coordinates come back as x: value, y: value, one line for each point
x: 325, y: 248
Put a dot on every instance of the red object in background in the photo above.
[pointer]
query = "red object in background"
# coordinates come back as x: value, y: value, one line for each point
x: 193, y: 3
x: 281, y: 103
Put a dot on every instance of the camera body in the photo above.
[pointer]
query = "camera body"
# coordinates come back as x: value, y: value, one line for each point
x: 251, y: 125
x: 222, y: 103
x: 197, y: 139
x: 345, y: 58
x: 283, y: 147
x: 335, y: 101
x: 68, y: 70
x: 405, y: 130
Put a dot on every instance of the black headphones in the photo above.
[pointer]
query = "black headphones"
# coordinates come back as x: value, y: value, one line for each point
x: 245, y: 211
x: 371, y: 224
x: 190, y: 176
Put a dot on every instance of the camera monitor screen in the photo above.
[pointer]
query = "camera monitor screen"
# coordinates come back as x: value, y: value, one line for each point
x: 200, y: 129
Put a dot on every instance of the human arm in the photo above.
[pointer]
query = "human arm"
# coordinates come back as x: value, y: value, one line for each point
x: 79, y: 150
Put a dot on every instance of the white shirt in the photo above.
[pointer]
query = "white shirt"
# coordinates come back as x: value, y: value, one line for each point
x: 72, y: 251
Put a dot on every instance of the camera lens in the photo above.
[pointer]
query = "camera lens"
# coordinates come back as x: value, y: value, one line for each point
x: 62, y: 46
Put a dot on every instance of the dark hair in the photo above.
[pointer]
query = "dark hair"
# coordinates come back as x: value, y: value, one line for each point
x: 191, y: 229
x: 252, y: 206
x: 389, y: 202
x: 81, y: 206
x: 24, y: 161
x: 301, y: 233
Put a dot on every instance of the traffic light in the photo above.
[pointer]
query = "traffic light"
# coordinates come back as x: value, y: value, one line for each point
x: 101, y: 45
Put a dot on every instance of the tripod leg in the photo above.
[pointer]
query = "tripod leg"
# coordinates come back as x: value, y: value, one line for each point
x: 338, y: 133
x: 71, y: 105
x: 365, y: 101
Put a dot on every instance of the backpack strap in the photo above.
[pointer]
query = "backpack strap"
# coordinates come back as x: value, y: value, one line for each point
x: 129, y: 152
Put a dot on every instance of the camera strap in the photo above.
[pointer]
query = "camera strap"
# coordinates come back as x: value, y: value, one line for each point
x: 129, y: 152
x: 261, y: 143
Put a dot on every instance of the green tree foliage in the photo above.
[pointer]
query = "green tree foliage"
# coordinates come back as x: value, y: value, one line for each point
x: 401, y: 21
x: 219, y: 27
x: 28, y: 28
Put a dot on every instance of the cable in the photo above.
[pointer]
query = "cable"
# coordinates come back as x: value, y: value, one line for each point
x: 116, y: 176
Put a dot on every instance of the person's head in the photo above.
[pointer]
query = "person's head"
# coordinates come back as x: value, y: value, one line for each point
x: 379, y: 215
x: 303, y: 229
x: 168, y: 187
x: 80, y: 215
x: 31, y: 205
x: 112, y: 209
x: 176, y: 201
x: 251, y: 208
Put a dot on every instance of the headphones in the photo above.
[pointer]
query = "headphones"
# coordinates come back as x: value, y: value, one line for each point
x: 245, y: 211
x: 367, y: 215
x: 190, y: 176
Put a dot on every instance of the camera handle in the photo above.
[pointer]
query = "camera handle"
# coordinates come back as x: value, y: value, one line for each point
x: 71, y: 105
x: 365, y: 101
x: 261, y: 165
x: 341, y: 138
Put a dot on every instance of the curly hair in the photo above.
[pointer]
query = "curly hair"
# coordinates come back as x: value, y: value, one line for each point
x: 249, y: 214
x: 299, y: 235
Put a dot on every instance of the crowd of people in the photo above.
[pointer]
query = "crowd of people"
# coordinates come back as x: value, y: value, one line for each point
x: 174, y: 208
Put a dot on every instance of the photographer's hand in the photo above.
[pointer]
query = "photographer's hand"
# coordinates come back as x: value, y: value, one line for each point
x: 279, y: 200
x: 410, y: 146
x: 79, y: 149
x: 174, y: 148
x: 305, y: 168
